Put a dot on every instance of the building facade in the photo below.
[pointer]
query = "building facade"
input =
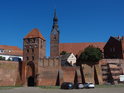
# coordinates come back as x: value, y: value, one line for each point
x: 68, y: 59
x: 11, y: 53
x: 114, y: 48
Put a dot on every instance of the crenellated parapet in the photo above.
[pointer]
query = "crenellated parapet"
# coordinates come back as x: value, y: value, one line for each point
x: 50, y: 62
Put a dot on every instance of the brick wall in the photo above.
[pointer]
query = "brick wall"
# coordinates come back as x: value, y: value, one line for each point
x: 98, y: 74
x: 9, y: 73
x: 47, y: 76
x: 111, y: 70
x: 71, y: 74
x: 49, y: 72
x: 88, y: 73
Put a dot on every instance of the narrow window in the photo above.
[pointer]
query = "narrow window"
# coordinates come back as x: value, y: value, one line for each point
x: 113, y: 49
x: 27, y: 58
x: 32, y: 50
x: 33, y: 40
x: 27, y: 50
x: 32, y: 57
x: 110, y: 49
x: 54, y: 37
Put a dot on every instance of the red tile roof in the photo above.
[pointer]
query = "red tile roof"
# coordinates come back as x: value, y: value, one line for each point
x: 77, y: 48
x: 11, y: 50
x: 5, y: 47
x: 34, y: 33
x: 13, y: 53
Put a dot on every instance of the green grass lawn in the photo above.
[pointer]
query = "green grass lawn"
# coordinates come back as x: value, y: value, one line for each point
x: 110, y: 86
x: 96, y: 86
x: 49, y: 87
x: 58, y: 87
x: 8, y: 87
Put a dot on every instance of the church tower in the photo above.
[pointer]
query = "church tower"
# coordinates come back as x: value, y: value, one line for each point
x: 34, y: 49
x: 54, y: 38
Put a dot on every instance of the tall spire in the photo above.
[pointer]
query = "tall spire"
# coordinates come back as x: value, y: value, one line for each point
x: 54, y: 37
x: 55, y: 19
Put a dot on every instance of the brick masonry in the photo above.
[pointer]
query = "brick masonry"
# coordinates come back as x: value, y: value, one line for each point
x: 50, y: 73
x: 111, y: 70
x: 9, y: 73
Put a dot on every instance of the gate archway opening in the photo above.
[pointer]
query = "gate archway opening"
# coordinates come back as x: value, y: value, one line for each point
x: 31, y: 74
x: 31, y: 82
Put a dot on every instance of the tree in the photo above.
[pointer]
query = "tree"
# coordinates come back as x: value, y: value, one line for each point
x: 2, y: 58
x: 63, y: 53
x: 91, y: 55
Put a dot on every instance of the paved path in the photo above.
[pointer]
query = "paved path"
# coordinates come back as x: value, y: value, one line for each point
x: 39, y: 90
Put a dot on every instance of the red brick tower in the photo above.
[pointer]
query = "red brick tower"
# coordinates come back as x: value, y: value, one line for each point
x: 34, y: 49
x: 54, y: 38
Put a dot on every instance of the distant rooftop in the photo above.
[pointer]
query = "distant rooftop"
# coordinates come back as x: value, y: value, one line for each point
x: 77, y: 48
x: 10, y: 50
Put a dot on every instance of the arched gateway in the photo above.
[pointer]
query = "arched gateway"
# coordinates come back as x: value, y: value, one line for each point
x: 30, y: 74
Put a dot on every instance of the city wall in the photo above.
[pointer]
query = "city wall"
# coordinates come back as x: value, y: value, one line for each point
x: 9, y: 73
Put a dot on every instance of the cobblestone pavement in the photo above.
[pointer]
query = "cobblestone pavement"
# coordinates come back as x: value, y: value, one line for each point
x: 39, y: 90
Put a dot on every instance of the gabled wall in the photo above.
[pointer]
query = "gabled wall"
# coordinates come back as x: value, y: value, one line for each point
x: 113, y: 49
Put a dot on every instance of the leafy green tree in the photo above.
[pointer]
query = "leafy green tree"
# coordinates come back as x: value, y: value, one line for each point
x: 63, y: 53
x: 91, y: 55
x: 1, y: 57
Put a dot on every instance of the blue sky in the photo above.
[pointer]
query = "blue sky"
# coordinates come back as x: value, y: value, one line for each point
x: 79, y: 20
